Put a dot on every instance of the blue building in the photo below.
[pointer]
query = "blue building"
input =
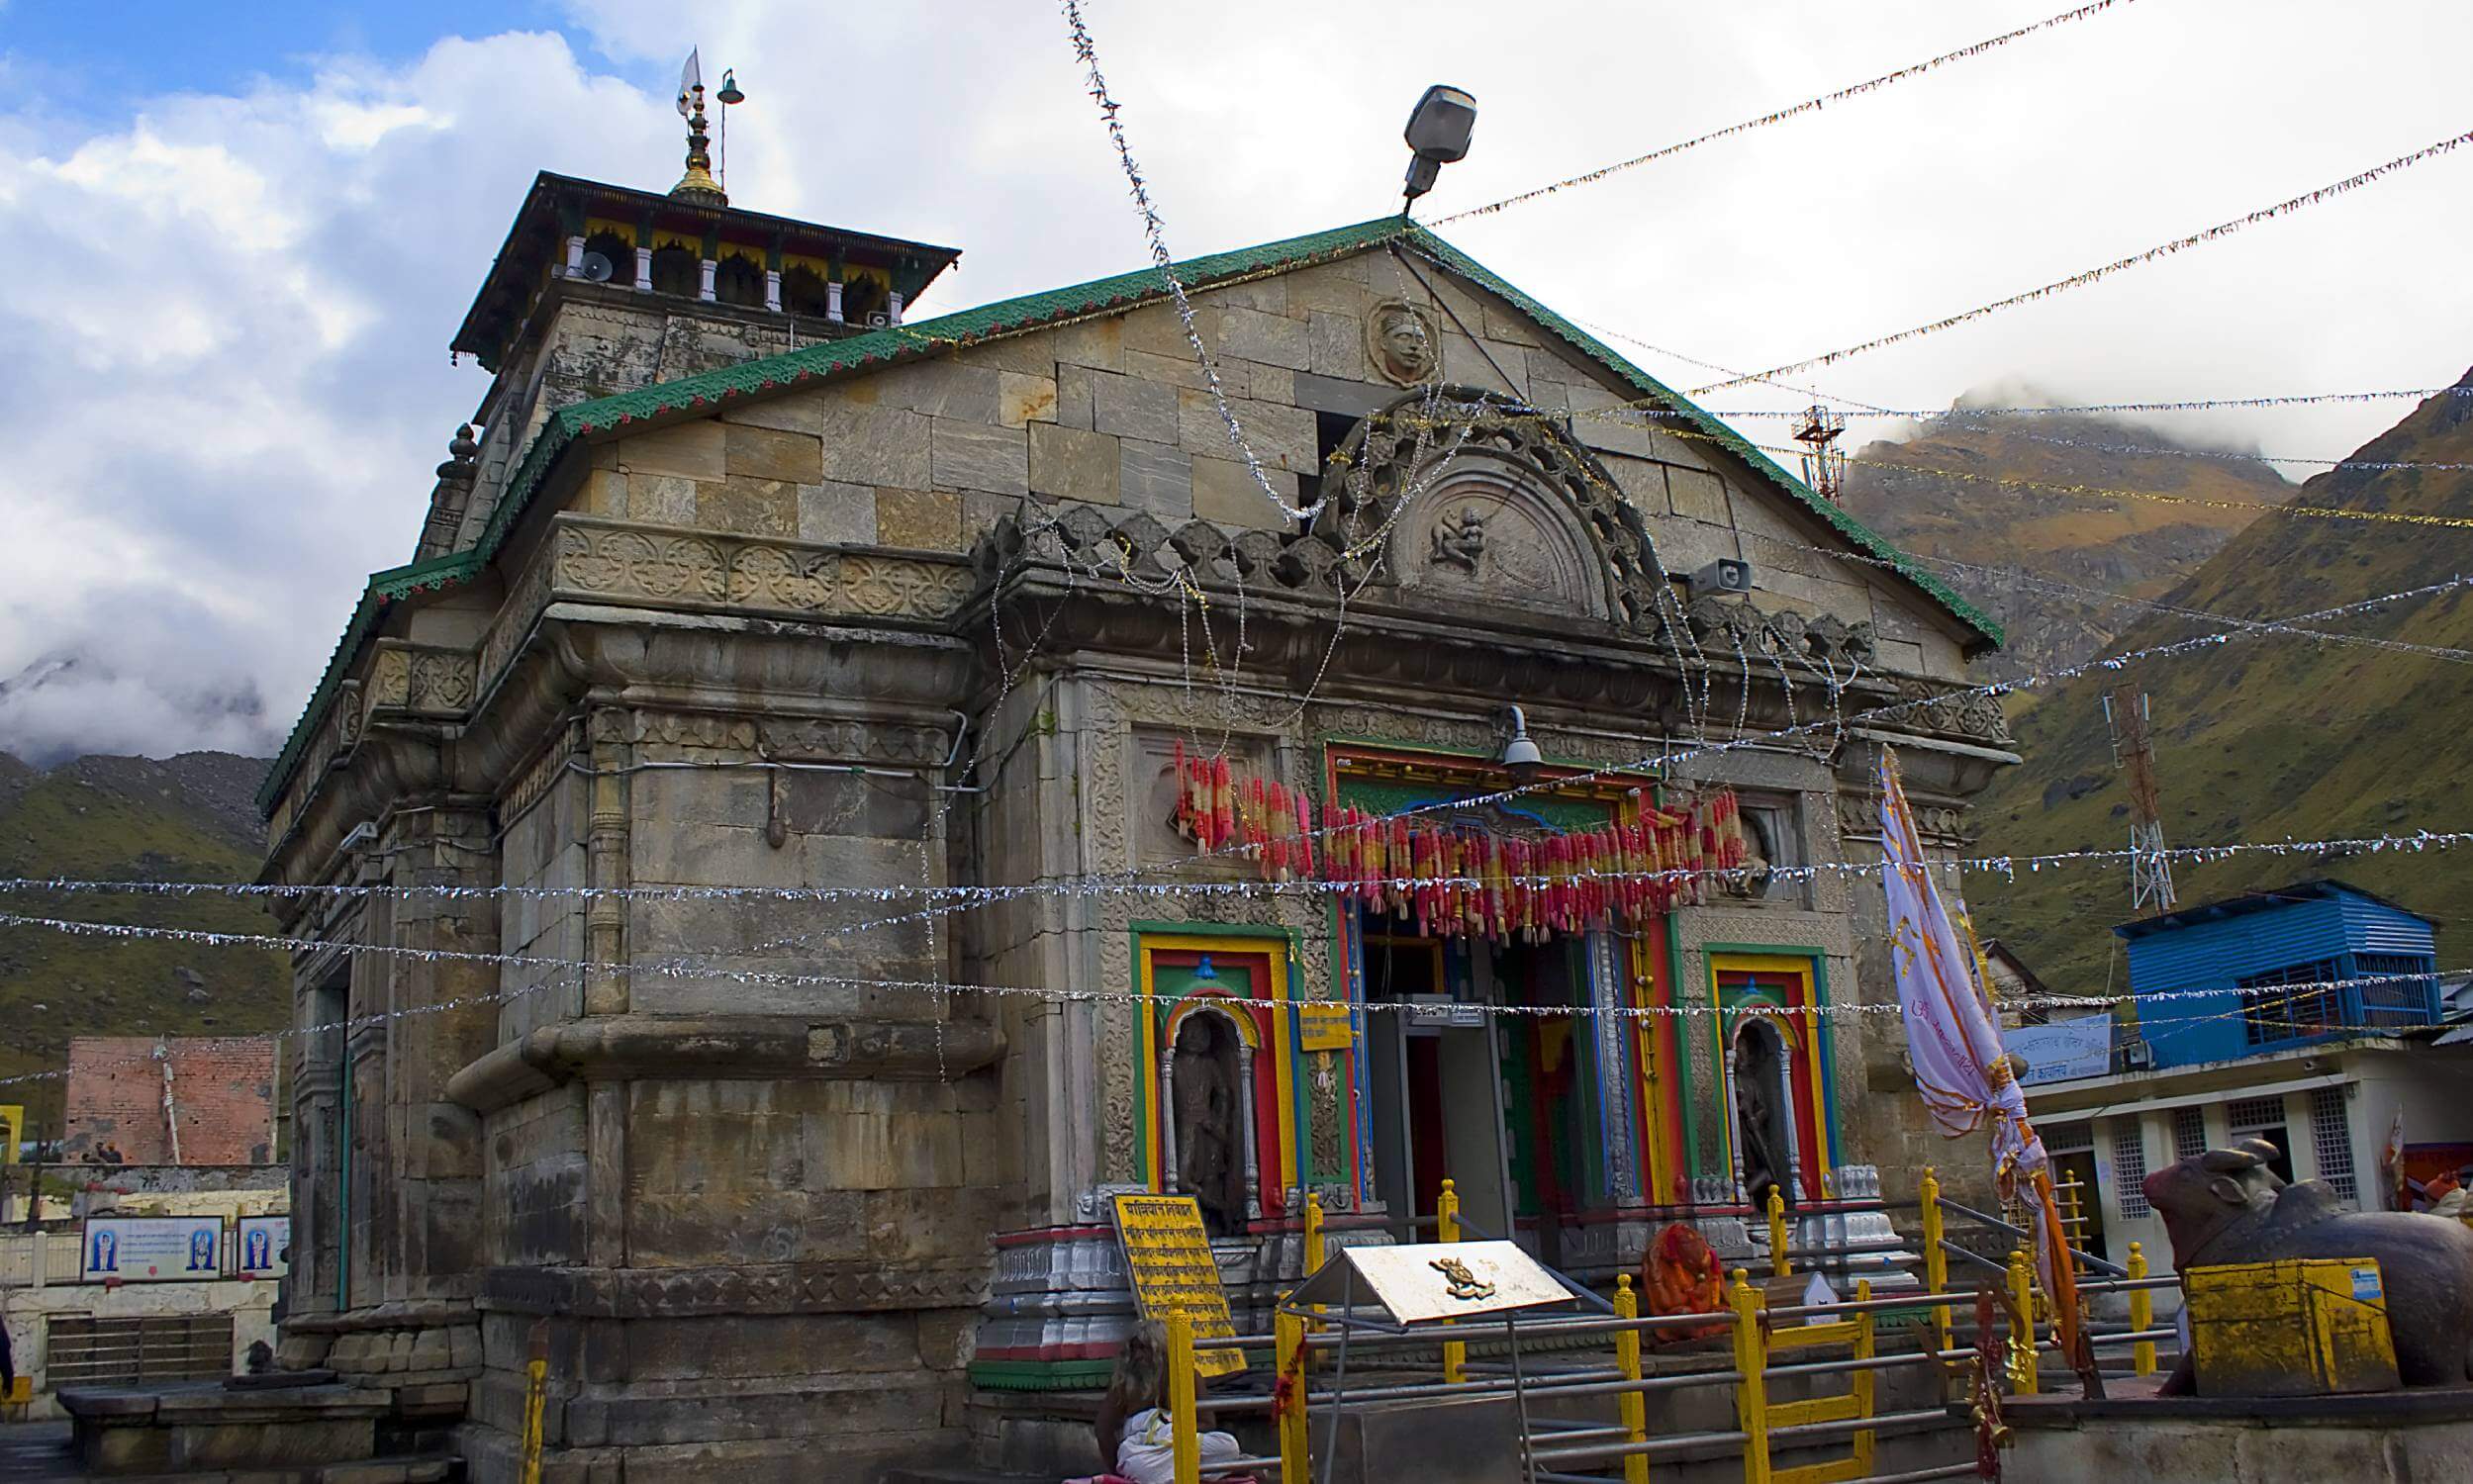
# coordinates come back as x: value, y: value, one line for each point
x: 2309, y: 932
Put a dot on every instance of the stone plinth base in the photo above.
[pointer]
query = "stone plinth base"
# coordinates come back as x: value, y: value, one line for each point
x: 206, y: 1427
x: 2382, y: 1438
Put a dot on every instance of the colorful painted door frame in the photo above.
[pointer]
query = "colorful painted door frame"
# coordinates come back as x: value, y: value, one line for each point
x: 1788, y: 985
x: 1653, y: 1111
x: 1278, y: 1119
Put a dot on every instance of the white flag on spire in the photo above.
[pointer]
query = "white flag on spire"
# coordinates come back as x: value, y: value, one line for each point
x: 690, y: 78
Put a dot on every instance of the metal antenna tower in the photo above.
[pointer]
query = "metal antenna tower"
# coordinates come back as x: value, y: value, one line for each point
x: 2134, y: 751
x: 1823, y: 465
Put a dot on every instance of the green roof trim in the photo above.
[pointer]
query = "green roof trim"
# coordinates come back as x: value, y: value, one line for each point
x: 708, y: 391
x: 383, y: 590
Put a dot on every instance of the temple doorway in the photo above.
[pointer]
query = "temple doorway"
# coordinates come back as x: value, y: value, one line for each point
x: 1504, y: 1105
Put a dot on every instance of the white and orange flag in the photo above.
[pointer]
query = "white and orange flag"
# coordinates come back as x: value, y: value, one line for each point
x: 1960, y: 1067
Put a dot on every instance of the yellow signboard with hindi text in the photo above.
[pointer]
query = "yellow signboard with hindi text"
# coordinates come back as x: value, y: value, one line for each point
x: 1167, y: 1260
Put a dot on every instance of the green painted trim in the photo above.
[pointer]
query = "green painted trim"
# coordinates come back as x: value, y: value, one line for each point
x: 1824, y: 1035
x: 1042, y: 1375
x: 706, y: 391
x: 383, y: 588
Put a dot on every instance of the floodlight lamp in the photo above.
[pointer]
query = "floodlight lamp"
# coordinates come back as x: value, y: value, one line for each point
x: 1519, y: 756
x: 1438, y: 133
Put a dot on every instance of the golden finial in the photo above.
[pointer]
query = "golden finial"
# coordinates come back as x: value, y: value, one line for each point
x: 698, y: 184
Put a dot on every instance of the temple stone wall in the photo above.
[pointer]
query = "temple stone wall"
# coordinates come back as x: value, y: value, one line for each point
x: 752, y: 1213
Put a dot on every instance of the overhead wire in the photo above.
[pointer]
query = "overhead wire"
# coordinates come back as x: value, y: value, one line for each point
x: 2094, y: 275
x: 1780, y: 116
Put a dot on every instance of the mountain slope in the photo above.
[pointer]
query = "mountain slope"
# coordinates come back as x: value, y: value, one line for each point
x: 2136, y: 548
x: 182, y: 818
x: 2270, y: 737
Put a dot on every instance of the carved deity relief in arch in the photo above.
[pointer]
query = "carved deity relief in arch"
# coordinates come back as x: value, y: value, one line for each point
x: 1482, y: 534
x: 1467, y: 499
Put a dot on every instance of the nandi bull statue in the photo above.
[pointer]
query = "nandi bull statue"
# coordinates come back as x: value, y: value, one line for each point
x: 2226, y: 1206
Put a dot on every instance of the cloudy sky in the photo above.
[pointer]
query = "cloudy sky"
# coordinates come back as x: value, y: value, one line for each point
x: 237, y: 239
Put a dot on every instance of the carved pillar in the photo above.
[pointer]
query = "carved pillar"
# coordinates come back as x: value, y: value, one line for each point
x: 893, y: 308
x: 1167, y: 1170
x: 1245, y: 1119
x: 832, y: 300
x: 604, y: 920
x: 773, y: 290
x: 575, y: 257
x: 644, y: 270
x: 705, y: 271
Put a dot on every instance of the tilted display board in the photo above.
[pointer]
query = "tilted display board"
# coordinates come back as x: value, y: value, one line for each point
x: 1434, y: 1280
x: 1169, y: 1261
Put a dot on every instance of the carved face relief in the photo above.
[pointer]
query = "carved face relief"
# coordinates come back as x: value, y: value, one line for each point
x: 1403, y: 342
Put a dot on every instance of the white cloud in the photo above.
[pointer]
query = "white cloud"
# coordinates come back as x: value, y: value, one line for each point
x: 230, y: 311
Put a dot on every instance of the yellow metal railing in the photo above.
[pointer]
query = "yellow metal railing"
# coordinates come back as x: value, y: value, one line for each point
x: 1185, y: 1436
x: 1633, y: 1406
x: 2141, y: 1314
x: 1779, y: 1264
x: 1446, y: 1229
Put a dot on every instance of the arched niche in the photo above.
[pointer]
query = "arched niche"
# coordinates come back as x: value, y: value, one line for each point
x: 1547, y: 509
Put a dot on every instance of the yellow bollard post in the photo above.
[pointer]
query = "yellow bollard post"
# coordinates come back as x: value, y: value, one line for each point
x: 1184, y: 1432
x: 2022, y: 1353
x: 1314, y: 1250
x: 1288, y: 1390
x: 536, y: 1399
x: 2141, y: 1314
x: 1778, y: 1264
x: 1863, y: 1387
x: 1633, y: 1406
x: 1446, y: 1229
x: 1935, y: 1261
x: 1751, y: 1377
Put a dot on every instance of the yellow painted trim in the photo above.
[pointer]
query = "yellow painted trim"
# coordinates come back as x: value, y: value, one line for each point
x: 1195, y: 999
x: 740, y: 250
x: 1274, y: 949
x: 1649, y: 1089
x: 594, y: 226
x: 664, y: 237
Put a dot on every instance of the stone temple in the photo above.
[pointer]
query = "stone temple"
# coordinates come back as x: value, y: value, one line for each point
x: 880, y: 740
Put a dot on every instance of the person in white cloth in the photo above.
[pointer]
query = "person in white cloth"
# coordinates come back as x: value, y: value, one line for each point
x: 1135, y: 1433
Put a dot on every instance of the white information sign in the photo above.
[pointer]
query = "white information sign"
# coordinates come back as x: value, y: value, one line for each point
x: 152, y: 1249
x: 2063, y: 1050
x: 266, y: 1250
x: 1434, y: 1280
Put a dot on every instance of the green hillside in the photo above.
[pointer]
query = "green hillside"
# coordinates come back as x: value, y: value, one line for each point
x: 1934, y: 496
x: 2271, y: 737
x: 183, y: 818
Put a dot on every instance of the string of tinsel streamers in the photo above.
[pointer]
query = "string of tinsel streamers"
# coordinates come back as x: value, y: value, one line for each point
x: 783, y: 978
x: 1154, y: 231
x: 1963, y: 416
x: 2094, y: 275
x: 2004, y: 865
x: 2012, y: 482
x: 2101, y: 595
x: 1780, y: 116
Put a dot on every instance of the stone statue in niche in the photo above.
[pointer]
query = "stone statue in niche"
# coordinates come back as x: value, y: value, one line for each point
x: 1403, y: 342
x: 1203, y: 1080
x: 1750, y: 881
x: 1460, y: 539
x: 1760, y: 1121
